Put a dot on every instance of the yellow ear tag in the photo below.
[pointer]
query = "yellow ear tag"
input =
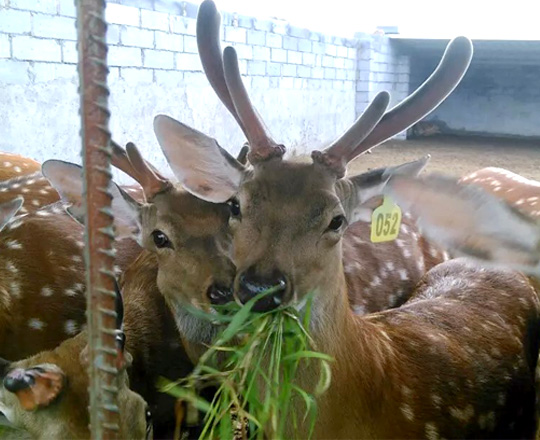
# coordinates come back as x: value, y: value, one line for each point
x: 385, y: 222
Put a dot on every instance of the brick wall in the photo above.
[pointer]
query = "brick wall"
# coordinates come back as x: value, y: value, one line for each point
x: 309, y: 87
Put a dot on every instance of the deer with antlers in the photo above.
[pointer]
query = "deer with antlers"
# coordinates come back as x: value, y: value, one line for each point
x: 458, y: 359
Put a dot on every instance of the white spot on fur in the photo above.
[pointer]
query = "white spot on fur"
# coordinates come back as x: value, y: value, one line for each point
x: 15, y: 289
x: 463, y: 415
x: 43, y: 191
x: 10, y: 267
x: 17, y: 169
x: 36, y: 324
x: 13, y: 244
x: 70, y: 292
x: 407, y: 412
x: 7, y: 164
x: 376, y: 281
x: 47, y: 291
x: 403, y: 274
x: 390, y: 265
x: 437, y: 400
x: 71, y: 327
x: 43, y: 213
x: 359, y: 309
x: 431, y: 431
x: 35, y: 202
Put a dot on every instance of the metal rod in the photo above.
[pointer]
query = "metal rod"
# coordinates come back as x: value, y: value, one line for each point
x: 99, y: 236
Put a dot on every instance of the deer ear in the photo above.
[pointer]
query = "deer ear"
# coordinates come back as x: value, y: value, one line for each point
x: 198, y: 162
x: 9, y: 209
x: 361, y: 194
x: 469, y: 221
x: 67, y: 179
x: 35, y: 387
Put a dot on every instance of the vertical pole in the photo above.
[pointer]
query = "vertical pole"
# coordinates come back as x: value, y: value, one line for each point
x: 99, y: 233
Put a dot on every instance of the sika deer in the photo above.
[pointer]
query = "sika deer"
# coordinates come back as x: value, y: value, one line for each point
x: 47, y: 394
x: 457, y: 361
x: 187, y: 236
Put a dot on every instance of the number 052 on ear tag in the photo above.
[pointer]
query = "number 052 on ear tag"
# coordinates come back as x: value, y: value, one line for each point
x: 385, y: 222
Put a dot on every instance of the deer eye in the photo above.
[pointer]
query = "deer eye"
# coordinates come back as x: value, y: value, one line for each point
x: 234, y: 206
x: 336, y: 223
x: 161, y: 240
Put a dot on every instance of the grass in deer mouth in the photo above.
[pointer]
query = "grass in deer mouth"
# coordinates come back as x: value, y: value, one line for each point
x: 254, y: 364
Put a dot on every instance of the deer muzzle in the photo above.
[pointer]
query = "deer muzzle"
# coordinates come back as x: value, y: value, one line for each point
x: 251, y: 284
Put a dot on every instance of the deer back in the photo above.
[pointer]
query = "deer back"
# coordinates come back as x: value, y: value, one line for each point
x: 518, y: 191
x: 15, y: 165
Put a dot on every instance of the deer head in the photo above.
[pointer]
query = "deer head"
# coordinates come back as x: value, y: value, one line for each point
x: 189, y: 236
x: 288, y: 218
x: 47, y: 394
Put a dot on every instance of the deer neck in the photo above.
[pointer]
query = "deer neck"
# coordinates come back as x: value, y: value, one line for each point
x: 362, y: 357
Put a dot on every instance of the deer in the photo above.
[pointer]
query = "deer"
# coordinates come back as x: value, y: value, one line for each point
x: 457, y: 360
x: 15, y: 165
x: 46, y: 395
x: 518, y: 191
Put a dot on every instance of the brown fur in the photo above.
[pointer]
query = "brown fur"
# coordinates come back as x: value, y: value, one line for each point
x: 15, y: 165
x: 522, y: 193
x: 42, y: 281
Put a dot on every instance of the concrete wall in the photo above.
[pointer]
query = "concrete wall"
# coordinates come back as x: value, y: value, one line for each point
x: 493, y: 99
x: 308, y: 87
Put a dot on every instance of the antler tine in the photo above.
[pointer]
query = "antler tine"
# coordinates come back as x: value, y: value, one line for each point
x: 121, y: 161
x: 151, y: 181
x: 448, y: 74
x: 337, y: 155
x: 208, y: 22
x: 263, y: 147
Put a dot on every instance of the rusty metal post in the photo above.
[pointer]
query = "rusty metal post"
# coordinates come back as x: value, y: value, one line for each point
x: 99, y: 236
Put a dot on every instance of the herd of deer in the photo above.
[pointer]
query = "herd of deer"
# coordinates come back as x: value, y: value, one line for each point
x: 425, y: 346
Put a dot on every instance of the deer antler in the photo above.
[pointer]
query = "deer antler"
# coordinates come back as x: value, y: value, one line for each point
x: 424, y: 100
x: 131, y: 162
x: 224, y: 76
x: 336, y: 156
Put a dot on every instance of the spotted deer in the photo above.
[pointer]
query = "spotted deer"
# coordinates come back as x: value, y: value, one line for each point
x: 46, y: 395
x: 457, y: 360
x: 15, y: 165
x: 42, y: 279
x: 517, y: 190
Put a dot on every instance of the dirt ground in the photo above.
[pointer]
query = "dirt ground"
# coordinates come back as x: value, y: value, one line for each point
x: 457, y: 155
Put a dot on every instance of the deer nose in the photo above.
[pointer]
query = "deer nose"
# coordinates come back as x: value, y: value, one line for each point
x: 220, y: 294
x: 250, y: 284
x: 17, y: 380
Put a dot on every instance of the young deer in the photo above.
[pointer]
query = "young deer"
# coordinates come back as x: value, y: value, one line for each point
x: 518, y: 191
x: 187, y: 235
x: 457, y: 361
x: 15, y: 165
x: 47, y: 394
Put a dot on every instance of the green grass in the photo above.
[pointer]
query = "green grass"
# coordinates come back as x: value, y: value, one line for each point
x: 254, y: 364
